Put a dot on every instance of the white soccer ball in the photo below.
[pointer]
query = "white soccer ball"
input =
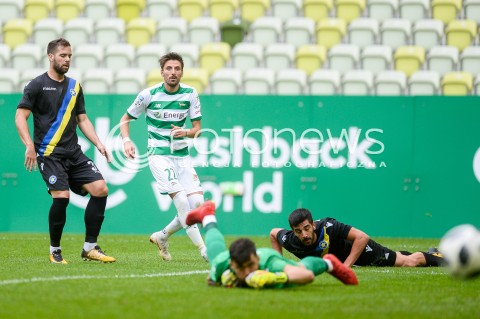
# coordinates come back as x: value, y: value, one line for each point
x: 460, y: 247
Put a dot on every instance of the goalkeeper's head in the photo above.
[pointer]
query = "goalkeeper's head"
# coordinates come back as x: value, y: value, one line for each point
x: 243, y: 258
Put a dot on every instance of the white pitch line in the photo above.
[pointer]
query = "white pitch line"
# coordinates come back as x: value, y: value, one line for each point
x: 44, y: 279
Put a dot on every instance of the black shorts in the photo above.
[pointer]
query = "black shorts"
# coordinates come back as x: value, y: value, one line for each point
x: 62, y: 173
x: 376, y: 255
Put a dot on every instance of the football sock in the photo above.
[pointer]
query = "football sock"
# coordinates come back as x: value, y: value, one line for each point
x: 194, y: 233
x: 171, y: 228
x: 195, y: 200
x: 214, y: 240
x: 209, y: 219
x: 181, y: 204
x: 432, y: 260
x: 94, y: 216
x: 89, y: 246
x: 56, y: 220
x: 52, y: 249
x: 315, y: 264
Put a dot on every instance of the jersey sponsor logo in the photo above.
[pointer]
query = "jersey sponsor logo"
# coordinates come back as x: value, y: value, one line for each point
x: 368, y: 248
x: 46, y: 88
x: 52, y: 179
x: 173, y: 115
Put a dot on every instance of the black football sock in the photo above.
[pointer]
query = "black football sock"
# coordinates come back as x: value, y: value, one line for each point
x: 94, y: 216
x: 56, y: 220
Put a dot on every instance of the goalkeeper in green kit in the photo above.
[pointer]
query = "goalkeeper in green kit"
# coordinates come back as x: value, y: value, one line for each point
x: 243, y: 265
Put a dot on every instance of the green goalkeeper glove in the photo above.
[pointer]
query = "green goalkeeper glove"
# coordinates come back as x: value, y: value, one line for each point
x: 260, y: 278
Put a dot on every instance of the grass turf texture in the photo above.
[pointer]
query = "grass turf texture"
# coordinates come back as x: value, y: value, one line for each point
x: 140, y: 285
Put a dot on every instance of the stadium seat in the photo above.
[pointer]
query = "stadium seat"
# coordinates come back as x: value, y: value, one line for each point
x: 88, y: 56
x: 75, y: 73
x: 344, y: 57
x: 27, y: 56
x: 470, y: 59
x: 266, y: 30
x: 223, y: 10
x: 279, y: 56
x: 317, y: 9
x: 214, y: 56
x: 226, y: 81
x: 409, y: 59
x: 35, y: 10
x: 147, y: 56
x: 9, y: 80
x: 285, y: 9
x: 191, y: 9
x: 10, y: 9
x: 4, y: 55
x: 247, y: 55
x: 171, y: 31
x: 129, y: 81
x: 324, y: 82
x: 290, y: 82
x: 428, y: 33
x: 477, y: 84
x: 414, y: 10
x: 154, y: 77
x: 299, y: 31
x: 197, y: 78
x: 129, y: 9
x: 445, y: 10
x: 357, y: 82
x: 68, y: 9
x: 376, y: 58
x: 471, y: 9
x: 189, y: 52
x: 100, y: 9
x: 16, y: 32
x: 382, y: 10
x: 330, y: 32
x: 442, y: 59
x: 161, y: 9
x: 310, y: 57
x: 395, y: 32
x: 109, y: 31
x: 457, y: 83
x: 27, y: 75
x: 119, y: 56
x: 424, y: 83
x: 97, y: 81
x: 390, y: 83
x: 46, y: 30
x: 250, y: 10
x: 78, y: 31
x: 363, y: 32
x: 140, y: 31
x: 258, y: 81
x: 203, y: 30
x: 461, y: 33
x: 349, y: 10
x: 234, y: 31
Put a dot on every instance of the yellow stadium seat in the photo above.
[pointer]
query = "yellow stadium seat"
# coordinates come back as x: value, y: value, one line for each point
x: 250, y: 10
x: 213, y: 56
x: 349, y: 10
x: 310, y: 57
x: 17, y: 31
x: 68, y: 9
x: 457, y: 83
x: 35, y: 10
x: 223, y: 10
x: 129, y: 9
x: 197, y: 78
x: 409, y: 59
x: 445, y: 10
x: 330, y: 32
x: 154, y: 77
x: 140, y: 31
x: 317, y: 9
x: 461, y: 33
x: 191, y: 9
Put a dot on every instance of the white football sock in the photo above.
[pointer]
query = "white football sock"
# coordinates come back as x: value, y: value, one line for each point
x: 195, y: 237
x: 181, y: 204
x: 89, y: 246
x: 171, y: 228
x: 208, y: 219
x: 52, y: 249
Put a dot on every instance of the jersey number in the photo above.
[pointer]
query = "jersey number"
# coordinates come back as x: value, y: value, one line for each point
x: 171, y: 174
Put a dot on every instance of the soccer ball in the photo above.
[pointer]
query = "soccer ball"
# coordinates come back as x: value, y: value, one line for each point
x: 460, y: 247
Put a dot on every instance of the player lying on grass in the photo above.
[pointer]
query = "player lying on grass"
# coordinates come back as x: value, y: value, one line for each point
x: 352, y: 246
x: 243, y: 265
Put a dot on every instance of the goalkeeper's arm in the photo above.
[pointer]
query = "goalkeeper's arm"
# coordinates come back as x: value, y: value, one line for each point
x: 262, y: 278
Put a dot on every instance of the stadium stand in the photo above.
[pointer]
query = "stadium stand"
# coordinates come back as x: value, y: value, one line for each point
x: 470, y: 59
x: 428, y: 33
x: 45, y: 30
x: 78, y: 31
x: 189, y: 51
x: 247, y: 55
x: 214, y: 56
x: 26, y: 56
x: 414, y: 10
x: 324, y: 82
x: 119, y: 56
x: 226, y: 81
x: 409, y: 59
x: 196, y: 77
x: 363, y: 32
x: 9, y: 80
x: 390, y: 83
x: 109, y: 31
x: 100, y: 9
x: 161, y: 9
x: 129, y: 81
x: 376, y: 58
x: 147, y: 55
x: 140, y: 31
x: 171, y: 31
x: 299, y: 30
x: 258, y: 81
x: 424, y: 83
x: 310, y: 57
x: 285, y: 9
x: 442, y: 59
x: 98, y: 81
x: 129, y: 9
x: 457, y: 83
x: 10, y: 9
x: 204, y: 30
x: 382, y: 10
x: 290, y: 82
x: 357, y: 82
x: 250, y: 10
x: 279, y: 56
x: 344, y: 57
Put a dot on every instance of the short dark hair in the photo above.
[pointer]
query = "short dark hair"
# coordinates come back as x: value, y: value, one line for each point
x: 241, y: 250
x: 53, y: 45
x: 170, y: 56
x: 298, y: 216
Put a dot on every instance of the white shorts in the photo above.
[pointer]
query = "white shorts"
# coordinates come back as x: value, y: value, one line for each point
x: 174, y: 174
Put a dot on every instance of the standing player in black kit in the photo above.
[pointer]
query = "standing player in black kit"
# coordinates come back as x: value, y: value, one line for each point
x: 57, y: 104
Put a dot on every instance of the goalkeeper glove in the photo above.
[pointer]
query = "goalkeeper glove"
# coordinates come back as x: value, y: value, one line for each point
x: 229, y: 279
x: 260, y: 278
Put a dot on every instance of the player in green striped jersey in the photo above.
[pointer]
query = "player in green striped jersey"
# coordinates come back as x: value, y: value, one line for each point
x: 167, y: 106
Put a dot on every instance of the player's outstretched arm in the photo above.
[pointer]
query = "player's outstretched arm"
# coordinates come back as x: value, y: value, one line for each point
x: 273, y: 240
x: 359, y: 242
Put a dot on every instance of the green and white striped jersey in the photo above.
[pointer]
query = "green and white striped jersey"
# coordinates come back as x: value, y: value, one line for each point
x: 162, y: 109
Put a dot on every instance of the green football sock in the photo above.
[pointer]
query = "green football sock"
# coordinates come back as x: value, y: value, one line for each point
x: 214, y: 241
x: 316, y: 264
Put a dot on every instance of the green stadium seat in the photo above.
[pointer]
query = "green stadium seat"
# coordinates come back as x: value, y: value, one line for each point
x: 234, y: 31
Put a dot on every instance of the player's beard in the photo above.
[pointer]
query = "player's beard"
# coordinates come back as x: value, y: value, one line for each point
x: 60, y: 69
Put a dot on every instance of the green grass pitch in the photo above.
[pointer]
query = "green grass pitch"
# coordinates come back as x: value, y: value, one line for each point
x: 140, y: 285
